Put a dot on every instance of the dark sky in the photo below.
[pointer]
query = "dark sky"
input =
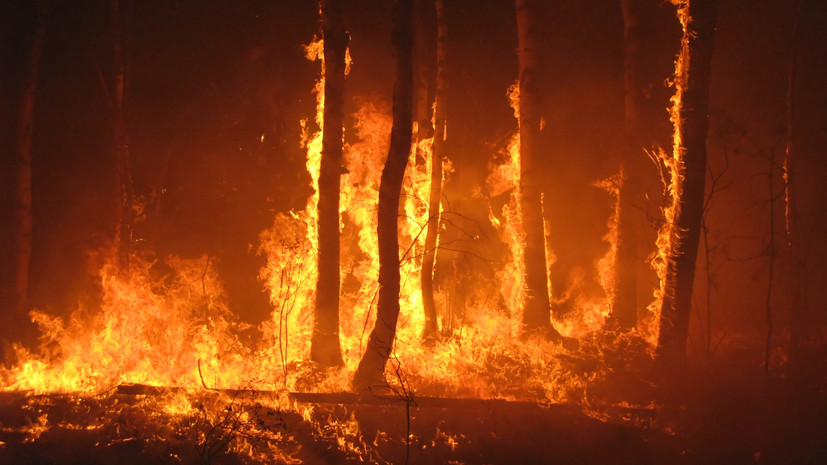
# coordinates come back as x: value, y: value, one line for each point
x: 208, y: 78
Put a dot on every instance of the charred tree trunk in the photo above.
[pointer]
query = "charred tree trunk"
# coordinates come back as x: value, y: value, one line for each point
x: 807, y: 137
x: 424, y: 70
x: 624, y: 308
x: 797, y: 327
x: 23, y: 189
x: 123, y: 213
x: 380, y: 343
x: 537, y: 309
x: 691, y: 121
x: 435, y: 195
x: 325, y: 347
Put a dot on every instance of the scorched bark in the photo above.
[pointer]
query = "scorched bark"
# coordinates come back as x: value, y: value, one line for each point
x: 435, y: 195
x: 624, y: 308
x: 691, y: 120
x: 325, y: 347
x: 537, y: 308
x: 380, y: 343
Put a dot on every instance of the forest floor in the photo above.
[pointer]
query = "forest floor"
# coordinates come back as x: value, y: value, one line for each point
x: 720, y: 419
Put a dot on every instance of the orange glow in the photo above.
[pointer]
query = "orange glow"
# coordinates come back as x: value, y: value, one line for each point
x: 167, y: 323
x: 504, y: 178
x: 669, y: 169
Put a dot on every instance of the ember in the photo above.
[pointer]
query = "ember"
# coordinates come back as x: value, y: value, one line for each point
x: 419, y: 231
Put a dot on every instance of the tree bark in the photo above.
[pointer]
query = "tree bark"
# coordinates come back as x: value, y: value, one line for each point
x: 23, y: 188
x: 691, y: 121
x: 435, y: 195
x: 370, y: 373
x: 537, y: 309
x: 808, y: 194
x: 797, y: 319
x: 325, y: 347
x: 624, y: 307
x: 424, y: 57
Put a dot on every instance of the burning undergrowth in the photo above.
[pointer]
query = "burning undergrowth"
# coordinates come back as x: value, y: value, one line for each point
x: 161, y: 373
x: 164, y: 369
x: 175, y: 426
x: 174, y: 330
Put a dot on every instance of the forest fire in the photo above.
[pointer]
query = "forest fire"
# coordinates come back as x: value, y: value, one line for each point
x: 382, y: 274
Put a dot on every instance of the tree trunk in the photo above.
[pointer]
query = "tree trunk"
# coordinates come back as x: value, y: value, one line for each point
x: 370, y: 372
x: 123, y: 212
x: 435, y: 197
x: 624, y: 307
x: 424, y: 70
x: 797, y: 326
x: 537, y: 310
x: 23, y: 191
x: 325, y: 347
x: 691, y: 120
x: 807, y: 137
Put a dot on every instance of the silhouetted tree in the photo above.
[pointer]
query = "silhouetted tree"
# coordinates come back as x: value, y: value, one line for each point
x: 796, y: 326
x: 380, y: 343
x: 624, y: 308
x: 691, y: 120
x: 23, y: 188
x: 807, y: 194
x: 325, y: 347
x: 435, y: 196
x: 537, y: 310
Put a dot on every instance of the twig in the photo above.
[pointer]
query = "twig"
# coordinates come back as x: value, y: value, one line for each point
x: 405, y: 394
x: 201, y: 376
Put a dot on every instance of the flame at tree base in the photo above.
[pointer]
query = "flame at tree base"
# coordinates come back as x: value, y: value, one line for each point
x: 167, y: 324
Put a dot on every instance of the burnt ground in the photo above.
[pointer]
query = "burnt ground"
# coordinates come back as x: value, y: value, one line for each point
x: 127, y: 429
x: 720, y: 422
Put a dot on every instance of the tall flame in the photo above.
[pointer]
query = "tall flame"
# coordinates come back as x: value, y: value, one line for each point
x: 168, y: 324
x: 669, y: 166
x: 291, y: 248
x: 158, y: 327
x: 504, y: 178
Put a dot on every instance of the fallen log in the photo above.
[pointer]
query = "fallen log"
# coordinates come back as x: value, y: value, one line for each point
x: 137, y: 389
x: 350, y: 398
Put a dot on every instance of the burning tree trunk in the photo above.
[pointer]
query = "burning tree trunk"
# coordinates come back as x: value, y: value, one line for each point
x: 624, y: 308
x: 537, y: 308
x: 380, y: 344
x: 434, y: 199
x: 691, y: 121
x: 325, y: 347
x: 797, y: 327
x: 123, y: 212
x: 424, y: 71
x: 23, y: 191
x: 807, y: 194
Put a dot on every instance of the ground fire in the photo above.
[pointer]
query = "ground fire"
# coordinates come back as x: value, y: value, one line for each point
x: 413, y: 231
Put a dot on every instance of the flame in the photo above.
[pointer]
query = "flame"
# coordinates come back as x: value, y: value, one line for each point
x: 590, y: 313
x: 167, y: 323
x: 606, y: 266
x: 174, y: 338
x: 291, y: 248
x: 669, y: 169
x: 503, y: 178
